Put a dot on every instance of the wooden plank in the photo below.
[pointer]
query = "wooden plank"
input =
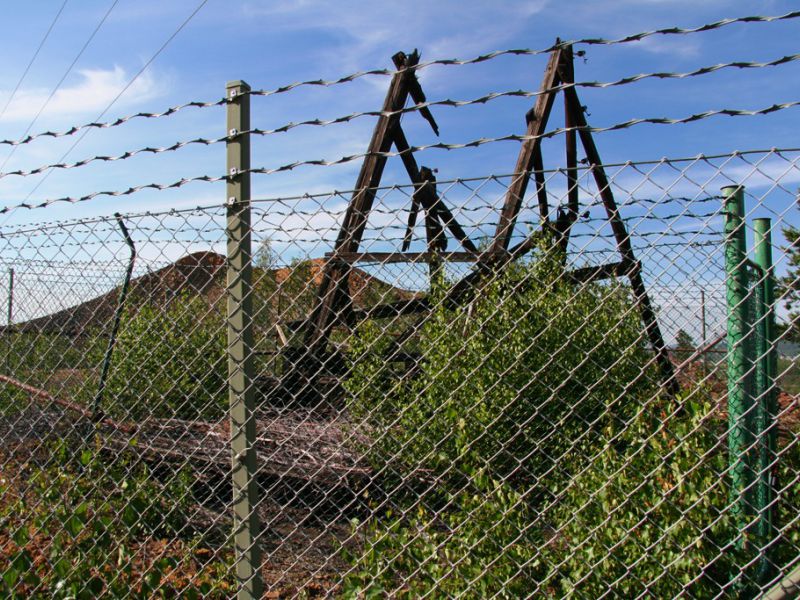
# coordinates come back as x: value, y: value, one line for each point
x: 434, y: 231
x: 541, y: 188
x: 401, y: 257
x: 623, y: 242
x: 412, y: 221
x: 418, y: 96
x: 537, y: 121
x: 607, y: 271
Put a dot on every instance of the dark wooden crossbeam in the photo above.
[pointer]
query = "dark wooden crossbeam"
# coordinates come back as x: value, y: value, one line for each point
x: 429, y: 200
x: 402, y: 257
x: 567, y: 217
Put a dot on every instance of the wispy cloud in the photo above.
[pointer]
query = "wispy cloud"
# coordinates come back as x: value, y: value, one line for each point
x: 673, y: 47
x: 94, y: 90
x: 446, y: 28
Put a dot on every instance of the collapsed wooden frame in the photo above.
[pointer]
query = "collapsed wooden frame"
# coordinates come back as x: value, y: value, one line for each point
x: 334, y: 304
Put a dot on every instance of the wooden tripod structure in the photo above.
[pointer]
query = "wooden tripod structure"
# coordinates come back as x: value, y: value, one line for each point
x: 334, y: 304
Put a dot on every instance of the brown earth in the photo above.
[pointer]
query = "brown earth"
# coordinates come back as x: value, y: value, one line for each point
x: 201, y: 273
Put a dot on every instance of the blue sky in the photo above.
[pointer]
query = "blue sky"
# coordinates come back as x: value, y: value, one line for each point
x: 270, y: 44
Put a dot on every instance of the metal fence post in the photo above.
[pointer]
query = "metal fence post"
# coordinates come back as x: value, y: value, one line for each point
x: 10, y: 315
x: 9, y: 318
x: 738, y: 359
x: 240, y: 345
x: 768, y: 409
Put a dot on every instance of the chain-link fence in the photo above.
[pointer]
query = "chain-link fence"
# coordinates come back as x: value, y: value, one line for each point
x: 540, y: 382
x: 523, y: 421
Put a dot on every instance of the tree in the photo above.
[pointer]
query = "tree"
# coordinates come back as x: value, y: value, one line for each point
x: 789, y: 286
x: 684, y: 345
x: 264, y: 257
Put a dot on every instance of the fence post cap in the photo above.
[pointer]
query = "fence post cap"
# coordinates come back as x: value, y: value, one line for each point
x: 731, y: 189
x: 235, y: 88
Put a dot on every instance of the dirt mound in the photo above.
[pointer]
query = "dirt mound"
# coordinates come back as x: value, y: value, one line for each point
x: 201, y: 273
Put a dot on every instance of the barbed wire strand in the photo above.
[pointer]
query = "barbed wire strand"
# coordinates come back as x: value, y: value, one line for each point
x: 448, y: 62
x: 439, y: 145
x: 114, y: 100
x: 347, y: 118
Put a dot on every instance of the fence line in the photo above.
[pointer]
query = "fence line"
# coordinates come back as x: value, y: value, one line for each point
x: 446, y: 388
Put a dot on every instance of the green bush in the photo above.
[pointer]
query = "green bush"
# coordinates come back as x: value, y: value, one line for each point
x: 484, y: 546
x: 504, y: 385
x: 82, y: 527
x: 649, y: 513
x: 560, y: 469
x: 643, y: 515
x: 169, y: 362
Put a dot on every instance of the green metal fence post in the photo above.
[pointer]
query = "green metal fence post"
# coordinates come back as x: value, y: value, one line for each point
x: 738, y: 360
x: 768, y: 398
x: 240, y: 345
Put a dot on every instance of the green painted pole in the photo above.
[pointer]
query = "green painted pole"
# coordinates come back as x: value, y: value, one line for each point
x: 738, y: 363
x: 240, y: 346
x: 768, y: 398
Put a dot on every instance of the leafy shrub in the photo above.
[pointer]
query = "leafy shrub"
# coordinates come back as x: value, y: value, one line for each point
x: 649, y: 513
x: 645, y: 514
x: 169, y: 362
x: 483, y: 547
x: 545, y: 386
x: 83, y: 528
x: 506, y: 384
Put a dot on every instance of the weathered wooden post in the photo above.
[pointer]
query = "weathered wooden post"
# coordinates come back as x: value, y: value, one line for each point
x: 240, y: 345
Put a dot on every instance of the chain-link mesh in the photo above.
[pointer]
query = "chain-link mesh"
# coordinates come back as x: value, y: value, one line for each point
x: 465, y: 423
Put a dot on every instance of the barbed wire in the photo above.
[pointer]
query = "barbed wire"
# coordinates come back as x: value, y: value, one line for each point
x: 454, y: 61
x: 82, y: 228
x: 533, y: 52
x: 68, y: 227
x: 125, y: 155
x: 355, y: 115
x: 708, y: 238
x: 522, y: 138
x: 115, y: 193
x: 115, y: 123
x: 439, y: 145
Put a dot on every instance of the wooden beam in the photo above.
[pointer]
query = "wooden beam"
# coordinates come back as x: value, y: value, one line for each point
x: 607, y: 271
x: 541, y: 188
x: 537, y: 121
x: 333, y: 292
x: 566, y: 219
x: 401, y: 257
x: 623, y: 241
x: 420, y: 305
x: 434, y: 231
x: 428, y: 200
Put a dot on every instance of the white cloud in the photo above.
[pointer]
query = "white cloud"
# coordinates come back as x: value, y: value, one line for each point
x: 675, y: 47
x: 442, y: 27
x: 95, y: 89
